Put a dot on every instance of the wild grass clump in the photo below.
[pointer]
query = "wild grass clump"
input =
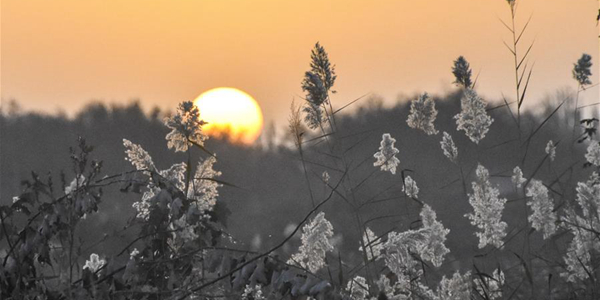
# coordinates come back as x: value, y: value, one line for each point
x: 527, y: 225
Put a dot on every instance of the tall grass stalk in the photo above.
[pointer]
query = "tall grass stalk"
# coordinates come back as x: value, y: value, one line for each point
x: 521, y: 69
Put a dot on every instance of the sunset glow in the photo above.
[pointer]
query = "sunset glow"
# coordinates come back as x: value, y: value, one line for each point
x: 161, y: 52
x: 230, y: 112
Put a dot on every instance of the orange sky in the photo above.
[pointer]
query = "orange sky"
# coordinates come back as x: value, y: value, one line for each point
x: 63, y: 53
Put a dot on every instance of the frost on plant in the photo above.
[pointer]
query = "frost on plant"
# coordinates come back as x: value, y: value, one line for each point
x: 175, y: 175
x: 579, y: 254
x: 400, y: 251
x: 543, y: 218
x: 462, y: 72
x: 404, y: 288
x: 75, y: 184
x: 315, y: 244
x: 138, y: 157
x: 457, y: 287
x: 423, y: 114
x: 142, y: 161
x: 134, y: 253
x: 386, y: 289
x: 83, y: 205
x: 490, y: 287
x: 450, y: 150
x: 314, y: 115
x: 316, y: 84
x: 434, y: 249
x: 487, y: 210
x: 372, y: 243
x: 143, y: 207
x: 410, y: 188
x: 426, y: 243
x: 551, y: 150
x: 183, y: 232
x: 386, y: 156
x: 316, y: 94
x: 582, y: 70
x: 593, y: 154
x: 585, y: 244
x: 357, y: 288
x: 94, y: 263
x: 473, y: 118
x: 325, y: 177
x: 588, y: 197
x: 517, y: 177
x: 253, y: 293
x: 320, y: 65
x: 186, y: 127
x: 203, y: 188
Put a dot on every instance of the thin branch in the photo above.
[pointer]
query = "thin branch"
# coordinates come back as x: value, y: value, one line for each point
x: 211, y: 282
x: 351, y: 102
x: 505, y: 25
x: 525, y: 89
x: 509, y: 48
x: 524, y: 28
x: 525, y: 56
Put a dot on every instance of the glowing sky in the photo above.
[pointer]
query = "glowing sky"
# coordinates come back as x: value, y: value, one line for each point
x: 64, y: 53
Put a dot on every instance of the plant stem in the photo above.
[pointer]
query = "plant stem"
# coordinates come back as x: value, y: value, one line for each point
x: 575, y: 114
x: 515, y: 57
x: 312, y: 198
x: 188, y: 172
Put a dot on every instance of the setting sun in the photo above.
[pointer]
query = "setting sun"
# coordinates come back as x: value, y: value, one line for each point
x: 230, y: 112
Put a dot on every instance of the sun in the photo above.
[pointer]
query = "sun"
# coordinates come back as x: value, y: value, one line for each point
x: 230, y: 113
